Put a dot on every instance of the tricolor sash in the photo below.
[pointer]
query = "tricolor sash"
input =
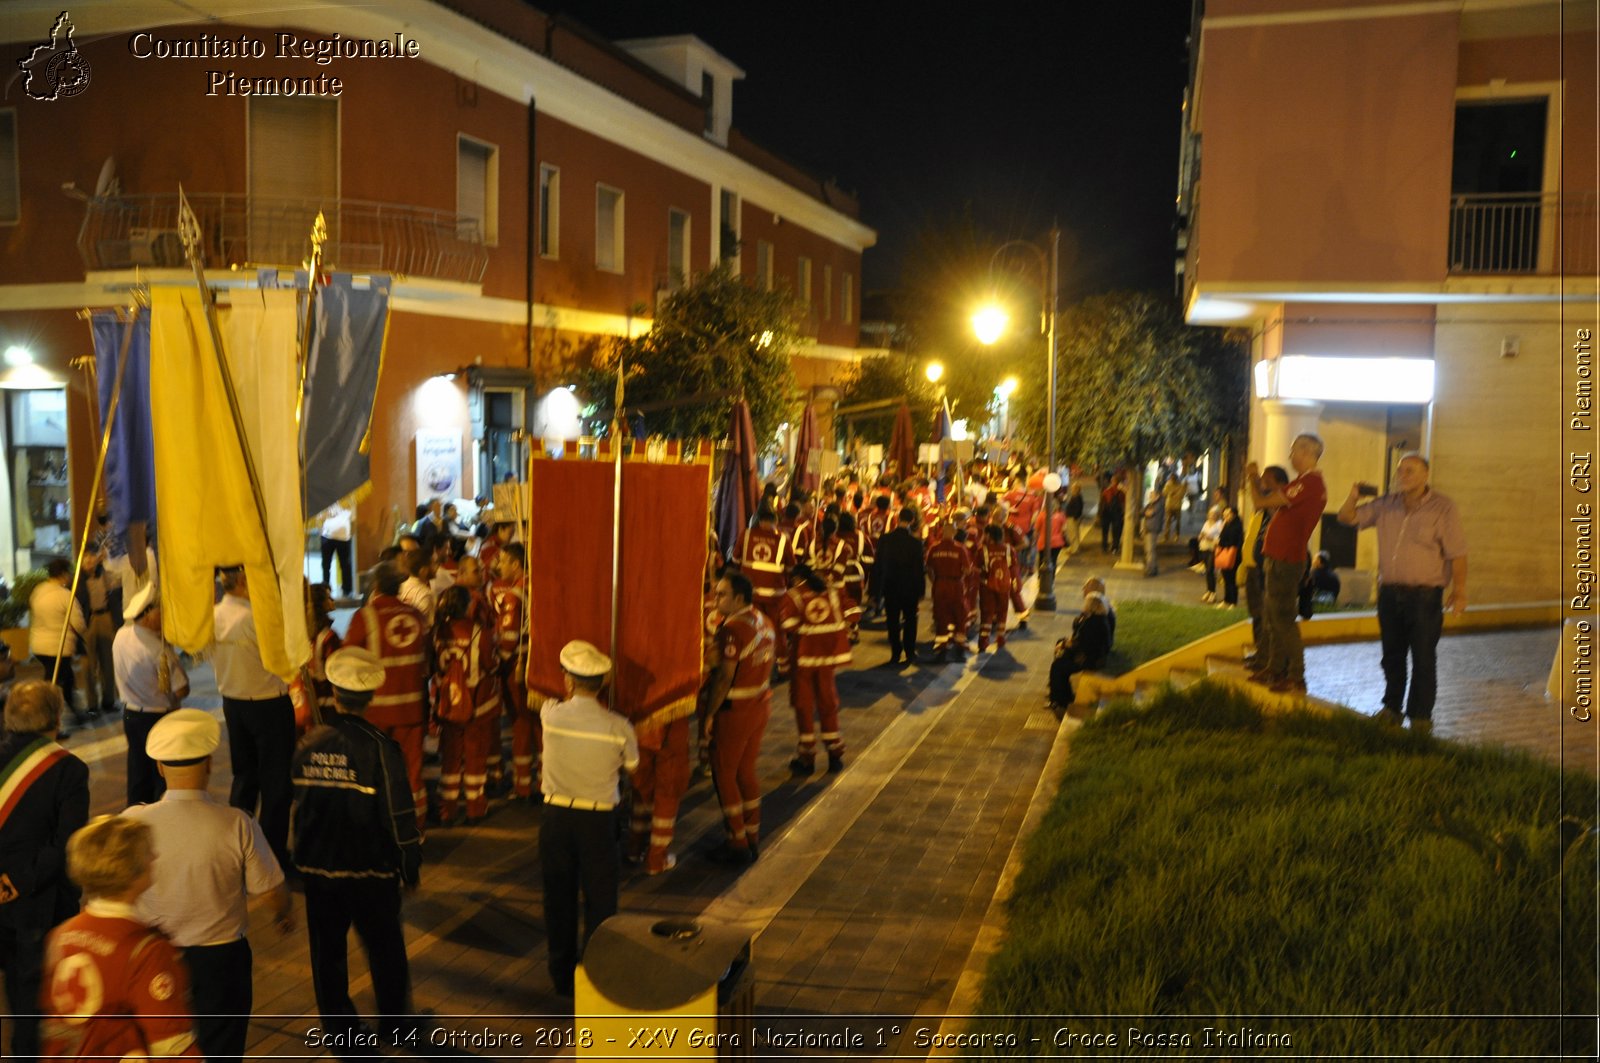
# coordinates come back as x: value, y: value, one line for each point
x: 25, y: 769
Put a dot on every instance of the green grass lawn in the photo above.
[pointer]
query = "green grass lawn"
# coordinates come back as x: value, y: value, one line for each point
x: 1148, y: 629
x: 1360, y: 891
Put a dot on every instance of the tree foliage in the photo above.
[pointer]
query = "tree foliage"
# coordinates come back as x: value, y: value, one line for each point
x: 717, y: 333
x: 1135, y: 383
x: 883, y: 378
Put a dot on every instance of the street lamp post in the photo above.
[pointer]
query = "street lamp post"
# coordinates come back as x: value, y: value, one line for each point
x: 989, y: 324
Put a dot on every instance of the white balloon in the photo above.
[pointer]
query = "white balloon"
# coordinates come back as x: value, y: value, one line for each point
x: 1052, y: 482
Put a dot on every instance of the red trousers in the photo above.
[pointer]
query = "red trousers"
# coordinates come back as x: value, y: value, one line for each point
x: 992, y: 609
x: 463, y: 764
x: 735, y: 743
x: 814, y: 693
x: 949, y: 612
x: 658, y: 785
x: 527, y: 737
x: 408, y: 736
x: 771, y: 608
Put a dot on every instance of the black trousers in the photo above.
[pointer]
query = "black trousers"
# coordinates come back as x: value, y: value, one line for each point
x: 21, y: 961
x: 219, y: 983
x: 1410, y: 621
x: 372, y: 906
x: 261, y: 747
x: 577, y: 851
x: 339, y: 548
x: 66, y: 682
x: 901, y: 613
x: 145, y: 783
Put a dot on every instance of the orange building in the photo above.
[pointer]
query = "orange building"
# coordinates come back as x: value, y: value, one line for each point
x: 1398, y: 202
x: 533, y: 188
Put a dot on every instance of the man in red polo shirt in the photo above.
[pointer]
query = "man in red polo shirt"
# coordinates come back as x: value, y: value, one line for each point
x: 1297, y: 509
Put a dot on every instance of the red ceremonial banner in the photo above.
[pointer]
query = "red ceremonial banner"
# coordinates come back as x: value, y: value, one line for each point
x: 665, y: 515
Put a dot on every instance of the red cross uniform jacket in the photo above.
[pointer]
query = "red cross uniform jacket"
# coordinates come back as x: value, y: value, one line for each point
x: 998, y: 566
x: 397, y: 635
x: 948, y: 561
x: 747, y: 638
x: 114, y: 988
x: 819, y: 622
x: 764, y: 555
x: 467, y: 683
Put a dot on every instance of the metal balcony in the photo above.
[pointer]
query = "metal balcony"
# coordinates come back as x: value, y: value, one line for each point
x: 124, y: 232
x: 1522, y: 233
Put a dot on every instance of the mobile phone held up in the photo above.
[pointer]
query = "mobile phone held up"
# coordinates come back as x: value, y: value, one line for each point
x: 1367, y: 490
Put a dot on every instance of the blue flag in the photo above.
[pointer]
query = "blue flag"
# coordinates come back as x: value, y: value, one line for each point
x: 349, y: 326
x: 130, y: 476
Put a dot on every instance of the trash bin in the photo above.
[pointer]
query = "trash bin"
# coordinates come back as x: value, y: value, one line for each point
x: 650, y: 987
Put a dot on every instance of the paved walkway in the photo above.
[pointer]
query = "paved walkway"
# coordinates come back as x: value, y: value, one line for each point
x: 873, y: 884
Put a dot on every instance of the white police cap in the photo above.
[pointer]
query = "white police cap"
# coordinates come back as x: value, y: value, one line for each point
x: 583, y: 660
x: 183, y: 734
x: 354, y: 669
x: 141, y: 601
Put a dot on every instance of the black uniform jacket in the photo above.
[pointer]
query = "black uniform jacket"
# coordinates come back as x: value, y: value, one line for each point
x: 353, y: 812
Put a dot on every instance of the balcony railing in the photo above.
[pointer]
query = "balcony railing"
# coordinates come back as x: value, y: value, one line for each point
x: 1525, y: 233
x: 123, y: 232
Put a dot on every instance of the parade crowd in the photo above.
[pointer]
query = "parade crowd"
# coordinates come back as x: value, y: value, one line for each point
x: 328, y: 793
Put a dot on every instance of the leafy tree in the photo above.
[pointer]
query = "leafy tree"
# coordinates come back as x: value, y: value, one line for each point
x: 1135, y: 383
x: 715, y: 334
x: 887, y: 377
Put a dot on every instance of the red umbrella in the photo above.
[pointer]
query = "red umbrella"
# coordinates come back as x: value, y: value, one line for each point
x: 903, y: 443
x: 738, y: 491
x: 804, y: 477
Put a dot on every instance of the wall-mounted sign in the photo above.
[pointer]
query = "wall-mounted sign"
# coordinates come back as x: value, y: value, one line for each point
x: 438, y: 464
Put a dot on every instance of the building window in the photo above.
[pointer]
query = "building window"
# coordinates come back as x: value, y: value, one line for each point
x: 10, y: 183
x: 764, y: 265
x: 708, y: 95
x: 677, y: 248
x: 608, y: 223
x: 549, y: 211
x: 730, y: 226
x: 803, y: 282
x: 847, y: 299
x: 478, y: 188
x: 827, y: 293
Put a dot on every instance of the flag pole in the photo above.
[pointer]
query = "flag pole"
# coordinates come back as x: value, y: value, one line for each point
x: 620, y: 433
x: 319, y: 233
x: 189, y: 233
x: 99, y: 475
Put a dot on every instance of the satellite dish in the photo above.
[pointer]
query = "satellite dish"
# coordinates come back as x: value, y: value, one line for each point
x: 107, y: 185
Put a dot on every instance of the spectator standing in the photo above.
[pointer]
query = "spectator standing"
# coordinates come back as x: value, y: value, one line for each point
x: 100, y: 600
x: 1074, y: 512
x: 1150, y: 525
x: 259, y: 715
x: 51, y: 609
x: 1210, y: 533
x: 334, y: 534
x: 1272, y: 477
x: 1300, y: 505
x: 48, y: 801
x: 901, y: 574
x: 1112, y: 512
x: 1422, y: 570
x: 1230, y: 542
x: 1174, y: 491
x: 211, y: 860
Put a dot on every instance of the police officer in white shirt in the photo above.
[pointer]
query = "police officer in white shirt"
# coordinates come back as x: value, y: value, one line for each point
x: 259, y: 714
x: 151, y: 681
x: 211, y: 859
x: 586, y: 745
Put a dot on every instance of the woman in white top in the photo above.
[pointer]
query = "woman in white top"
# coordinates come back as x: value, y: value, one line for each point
x: 1210, y: 531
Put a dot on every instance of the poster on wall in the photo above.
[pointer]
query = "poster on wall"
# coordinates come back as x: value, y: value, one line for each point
x: 438, y: 464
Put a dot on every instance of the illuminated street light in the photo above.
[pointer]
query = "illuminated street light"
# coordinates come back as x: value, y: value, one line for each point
x: 934, y: 372
x: 1007, y: 387
x: 989, y: 324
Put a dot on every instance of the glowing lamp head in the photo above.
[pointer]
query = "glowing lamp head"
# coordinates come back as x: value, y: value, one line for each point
x: 934, y: 372
x: 989, y: 324
x: 18, y: 356
x: 1007, y: 388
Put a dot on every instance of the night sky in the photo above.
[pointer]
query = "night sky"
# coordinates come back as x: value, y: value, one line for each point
x: 1016, y: 112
